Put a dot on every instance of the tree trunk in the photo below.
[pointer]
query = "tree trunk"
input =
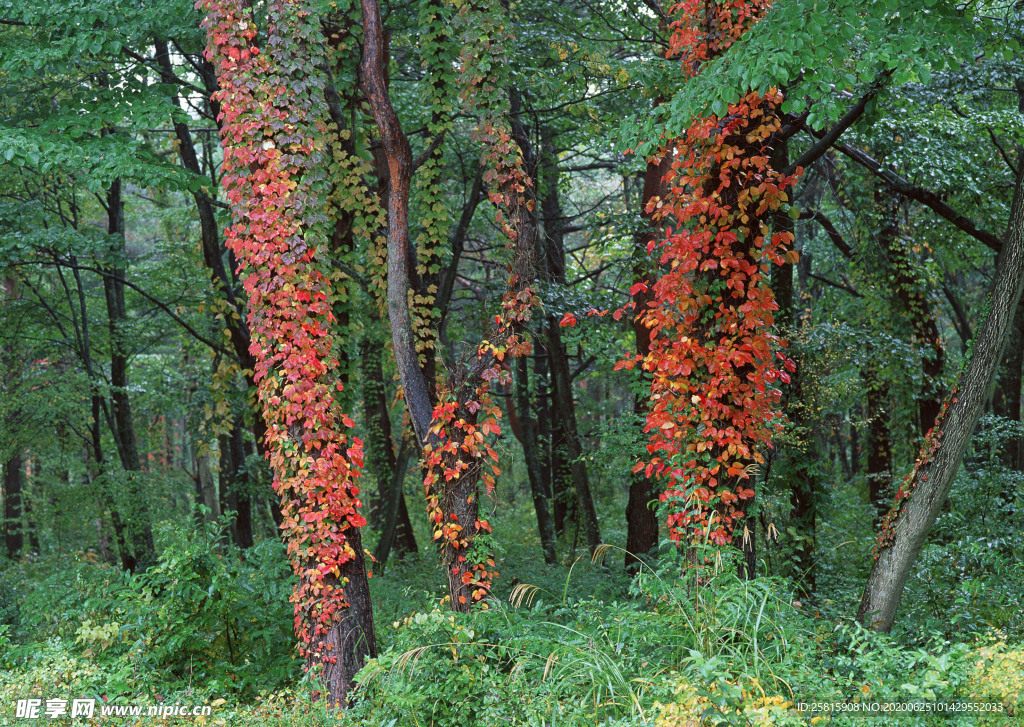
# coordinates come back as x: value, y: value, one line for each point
x: 13, y: 525
x: 206, y: 487
x: 924, y: 492
x: 352, y: 639
x: 141, y: 532
x: 641, y: 518
x: 879, y: 472
x: 1006, y: 402
x: 798, y: 457
x: 558, y: 360
x: 528, y: 438
x: 566, y: 413
x: 390, y: 511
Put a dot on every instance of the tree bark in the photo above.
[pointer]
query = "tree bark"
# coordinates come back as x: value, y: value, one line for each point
x: 566, y: 412
x: 234, y: 486
x: 558, y: 361
x: 924, y: 492
x: 390, y: 511
x: 798, y: 457
x: 456, y: 497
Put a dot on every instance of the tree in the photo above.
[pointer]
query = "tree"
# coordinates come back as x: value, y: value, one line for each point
x: 272, y: 154
x: 923, y: 493
x: 712, y: 354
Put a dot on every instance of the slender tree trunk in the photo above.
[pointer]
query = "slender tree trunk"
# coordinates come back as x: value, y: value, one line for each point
x: 924, y: 492
x: 13, y: 525
x: 387, y: 468
x: 206, y: 487
x: 566, y: 408
x: 528, y: 439
x: 1006, y: 402
x: 558, y: 359
x: 641, y: 517
x: 879, y: 472
x: 141, y: 532
x: 798, y: 456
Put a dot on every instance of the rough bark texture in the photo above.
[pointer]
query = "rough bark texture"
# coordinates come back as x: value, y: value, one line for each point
x: 928, y: 486
x: 352, y: 640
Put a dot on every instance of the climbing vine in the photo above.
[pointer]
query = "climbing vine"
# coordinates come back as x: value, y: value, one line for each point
x: 714, y: 362
x: 274, y: 147
x: 465, y: 418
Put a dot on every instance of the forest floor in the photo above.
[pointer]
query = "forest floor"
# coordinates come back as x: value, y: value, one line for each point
x: 576, y: 643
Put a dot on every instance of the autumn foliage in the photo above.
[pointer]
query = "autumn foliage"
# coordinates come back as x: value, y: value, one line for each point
x: 273, y: 139
x: 714, y: 363
x: 461, y: 458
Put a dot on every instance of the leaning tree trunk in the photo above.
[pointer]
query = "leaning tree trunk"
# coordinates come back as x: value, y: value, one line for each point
x: 923, y: 493
x: 454, y: 436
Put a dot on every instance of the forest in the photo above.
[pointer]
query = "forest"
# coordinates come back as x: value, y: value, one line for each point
x: 448, y: 363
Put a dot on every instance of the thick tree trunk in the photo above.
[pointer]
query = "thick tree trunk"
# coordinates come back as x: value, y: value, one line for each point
x: 925, y: 490
x: 352, y: 639
x: 141, y: 532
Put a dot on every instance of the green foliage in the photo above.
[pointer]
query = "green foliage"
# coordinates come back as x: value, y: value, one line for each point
x: 203, y: 614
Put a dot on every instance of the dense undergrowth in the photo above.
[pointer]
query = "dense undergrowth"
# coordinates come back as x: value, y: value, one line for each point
x: 574, y: 644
